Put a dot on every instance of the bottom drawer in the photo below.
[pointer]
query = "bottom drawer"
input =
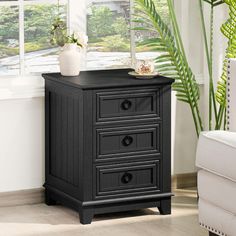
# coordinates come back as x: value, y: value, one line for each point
x: 127, y: 178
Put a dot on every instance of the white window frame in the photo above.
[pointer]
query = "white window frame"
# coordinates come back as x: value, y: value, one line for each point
x: 21, y: 4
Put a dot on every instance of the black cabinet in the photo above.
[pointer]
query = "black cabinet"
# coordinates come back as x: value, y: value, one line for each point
x: 108, y: 143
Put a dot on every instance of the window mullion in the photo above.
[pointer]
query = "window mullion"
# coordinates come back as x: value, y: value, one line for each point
x: 21, y: 37
x: 132, y: 35
x: 78, y: 22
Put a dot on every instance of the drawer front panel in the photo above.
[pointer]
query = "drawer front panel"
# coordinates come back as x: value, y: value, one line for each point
x: 127, y: 178
x: 125, y: 141
x: 127, y: 104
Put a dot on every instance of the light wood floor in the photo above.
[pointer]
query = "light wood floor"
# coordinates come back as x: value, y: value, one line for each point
x: 41, y: 220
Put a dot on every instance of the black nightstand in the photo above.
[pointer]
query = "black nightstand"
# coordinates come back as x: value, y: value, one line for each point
x: 108, y: 142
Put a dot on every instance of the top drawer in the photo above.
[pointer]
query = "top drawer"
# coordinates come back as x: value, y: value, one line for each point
x: 127, y: 104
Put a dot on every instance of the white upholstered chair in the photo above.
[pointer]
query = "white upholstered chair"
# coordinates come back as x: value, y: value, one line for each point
x: 216, y: 160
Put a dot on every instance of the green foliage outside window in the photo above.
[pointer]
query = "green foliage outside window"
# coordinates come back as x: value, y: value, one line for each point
x: 37, y: 24
x: 107, y: 30
x: 9, y: 23
x: 104, y: 26
x: 100, y: 22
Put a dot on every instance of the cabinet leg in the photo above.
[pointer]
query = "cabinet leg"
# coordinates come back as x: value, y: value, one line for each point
x: 165, y: 207
x: 86, y: 216
x: 48, y: 199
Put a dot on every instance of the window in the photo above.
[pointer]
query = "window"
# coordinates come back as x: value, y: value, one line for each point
x: 25, y: 36
x: 111, y: 42
x: 142, y: 52
x: 9, y: 39
x: 108, y: 24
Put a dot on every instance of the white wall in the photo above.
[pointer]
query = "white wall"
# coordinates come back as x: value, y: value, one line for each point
x: 21, y: 144
x: 188, y: 17
x: 184, y: 138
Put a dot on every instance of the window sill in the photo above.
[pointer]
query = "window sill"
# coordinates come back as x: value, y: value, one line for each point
x: 21, y: 88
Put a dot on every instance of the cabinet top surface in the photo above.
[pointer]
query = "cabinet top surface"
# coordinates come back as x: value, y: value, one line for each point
x: 105, y: 79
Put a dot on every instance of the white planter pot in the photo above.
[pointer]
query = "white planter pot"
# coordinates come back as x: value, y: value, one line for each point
x: 69, y: 60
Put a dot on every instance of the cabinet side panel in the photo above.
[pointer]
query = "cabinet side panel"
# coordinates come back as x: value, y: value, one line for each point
x: 166, y: 95
x: 63, y: 148
x: 87, y: 159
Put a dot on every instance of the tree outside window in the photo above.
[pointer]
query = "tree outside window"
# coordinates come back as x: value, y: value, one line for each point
x: 38, y: 54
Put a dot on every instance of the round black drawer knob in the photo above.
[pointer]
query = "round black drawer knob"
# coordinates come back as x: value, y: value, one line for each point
x: 126, y: 178
x: 127, y: 140
x: 126, y: 105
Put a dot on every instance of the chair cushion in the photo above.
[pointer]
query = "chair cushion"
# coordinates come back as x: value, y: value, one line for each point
x: 217, y: 190
x: 216, y: 152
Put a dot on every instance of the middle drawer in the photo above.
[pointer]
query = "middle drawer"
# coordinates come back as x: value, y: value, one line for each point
x: 127, y: 141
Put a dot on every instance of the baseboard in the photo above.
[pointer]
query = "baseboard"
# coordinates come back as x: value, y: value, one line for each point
x: 188, y: 180
x: 22, y: 197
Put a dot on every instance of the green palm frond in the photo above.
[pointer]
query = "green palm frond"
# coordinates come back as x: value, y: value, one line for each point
x: 172, y: 61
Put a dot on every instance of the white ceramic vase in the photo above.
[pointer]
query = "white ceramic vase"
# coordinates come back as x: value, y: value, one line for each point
x: 69, y: 60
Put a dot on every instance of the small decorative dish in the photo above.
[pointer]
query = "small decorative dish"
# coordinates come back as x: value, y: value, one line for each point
x: 143, y: 76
